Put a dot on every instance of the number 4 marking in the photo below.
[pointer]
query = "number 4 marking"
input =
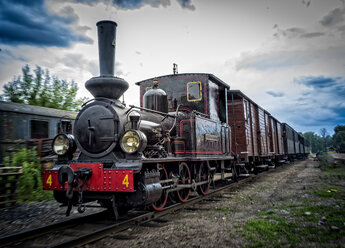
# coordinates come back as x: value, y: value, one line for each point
x: 125, y: 181
x: 49, y: 180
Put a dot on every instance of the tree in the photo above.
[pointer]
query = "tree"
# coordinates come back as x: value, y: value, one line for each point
x: 316, y: 142
x: 41, y: 89
x: 325, y: 137
x: 339, y: 138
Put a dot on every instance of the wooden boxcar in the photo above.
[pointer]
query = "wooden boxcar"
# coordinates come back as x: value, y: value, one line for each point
x: 256, y: 135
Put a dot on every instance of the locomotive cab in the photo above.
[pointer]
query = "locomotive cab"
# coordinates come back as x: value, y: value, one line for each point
x: 200, y: 99
x: 199, y: 92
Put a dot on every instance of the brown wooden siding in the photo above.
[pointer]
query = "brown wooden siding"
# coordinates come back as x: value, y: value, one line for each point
x: 236, y: 110
x: 273, y: 136
x: 267, y: 129
x: 263, y: 149
x: 280, y: 139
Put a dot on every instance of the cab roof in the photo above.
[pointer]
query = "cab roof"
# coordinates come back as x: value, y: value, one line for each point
x: 211, y: 76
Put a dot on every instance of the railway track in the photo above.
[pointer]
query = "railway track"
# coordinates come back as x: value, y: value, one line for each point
x: 94, y: 227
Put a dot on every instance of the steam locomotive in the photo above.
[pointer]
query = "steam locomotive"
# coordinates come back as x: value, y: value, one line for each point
x: 132, y: 156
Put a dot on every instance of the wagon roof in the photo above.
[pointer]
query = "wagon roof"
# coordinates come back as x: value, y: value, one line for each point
x: 211, y: 76
x: 245, y: 96
x: 35, y: 110
x: 240, y: 93
x: 291, y: 128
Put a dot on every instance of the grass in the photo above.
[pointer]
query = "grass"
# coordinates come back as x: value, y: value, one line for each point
x: 299, y: 225
x: 225, y: 210
x: 305, y: 223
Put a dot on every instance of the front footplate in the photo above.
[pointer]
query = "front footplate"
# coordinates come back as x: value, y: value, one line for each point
x: 102, y: 180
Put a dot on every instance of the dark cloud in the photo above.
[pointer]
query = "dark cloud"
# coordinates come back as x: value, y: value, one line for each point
x: 333, y: 18
x: 321, y: 82
x: 295, y: 32
x: 136, y: 4
x: 328, y: 95
x: 275, y: 94
x: 31, y: 23
x: 186, y: 4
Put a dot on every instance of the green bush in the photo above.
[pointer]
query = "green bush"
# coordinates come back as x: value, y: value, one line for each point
x: 30, y: 183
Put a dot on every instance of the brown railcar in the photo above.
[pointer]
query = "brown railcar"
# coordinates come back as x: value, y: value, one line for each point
x: 256, y: 135
x: 277, y: 145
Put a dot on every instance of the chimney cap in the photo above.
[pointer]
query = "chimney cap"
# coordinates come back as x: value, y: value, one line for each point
x: 106, y: 21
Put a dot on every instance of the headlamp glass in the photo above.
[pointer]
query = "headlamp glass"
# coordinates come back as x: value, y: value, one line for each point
x: 61, y: 144
x: 130, y: 141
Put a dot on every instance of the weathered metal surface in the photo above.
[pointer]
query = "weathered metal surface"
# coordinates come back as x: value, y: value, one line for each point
x: 156, y: 99
x: 106, y: 85
x: 202, y: 136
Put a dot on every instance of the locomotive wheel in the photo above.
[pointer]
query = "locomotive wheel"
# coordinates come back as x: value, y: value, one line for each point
x: 184, y: 178
x: 160, y: 204
x: 172, y: 196
x: 204, y: 175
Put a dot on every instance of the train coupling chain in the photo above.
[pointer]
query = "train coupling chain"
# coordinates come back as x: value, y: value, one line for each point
x: 83, y: 174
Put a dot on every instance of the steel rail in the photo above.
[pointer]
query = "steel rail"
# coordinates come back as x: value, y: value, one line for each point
x: 39, y: 231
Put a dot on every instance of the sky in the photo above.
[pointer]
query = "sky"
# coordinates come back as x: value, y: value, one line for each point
x: 287, y: 56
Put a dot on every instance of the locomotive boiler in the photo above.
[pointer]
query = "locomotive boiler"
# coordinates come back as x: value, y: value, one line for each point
x: 132, y: 156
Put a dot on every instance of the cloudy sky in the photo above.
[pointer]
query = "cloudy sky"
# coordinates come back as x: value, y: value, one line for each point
x: 288, y: 56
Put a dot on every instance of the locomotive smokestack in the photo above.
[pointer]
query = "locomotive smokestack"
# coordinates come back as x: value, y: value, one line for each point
x: 106, y: 85
x: 106, y: 47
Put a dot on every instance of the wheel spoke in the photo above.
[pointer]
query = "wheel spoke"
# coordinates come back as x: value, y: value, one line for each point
x: 204, y: 175
x: 160, y: 204
x: 184, y: 178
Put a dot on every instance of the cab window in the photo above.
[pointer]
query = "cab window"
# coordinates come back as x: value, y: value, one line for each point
x: 194, y: 91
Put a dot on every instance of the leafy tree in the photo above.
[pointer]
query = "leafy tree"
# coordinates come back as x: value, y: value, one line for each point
x: 316, y: 142
x: 43, y: 90
x: 339, y: 138
x: 326, y: 138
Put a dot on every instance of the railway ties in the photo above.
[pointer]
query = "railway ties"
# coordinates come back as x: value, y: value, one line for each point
x: 88, y: 229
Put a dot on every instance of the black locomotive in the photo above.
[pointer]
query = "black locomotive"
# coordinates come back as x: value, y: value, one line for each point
x: 137, y: 156
x: 140, y: 156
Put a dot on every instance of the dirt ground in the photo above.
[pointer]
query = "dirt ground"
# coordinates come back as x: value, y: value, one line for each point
x: 276, y: 210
